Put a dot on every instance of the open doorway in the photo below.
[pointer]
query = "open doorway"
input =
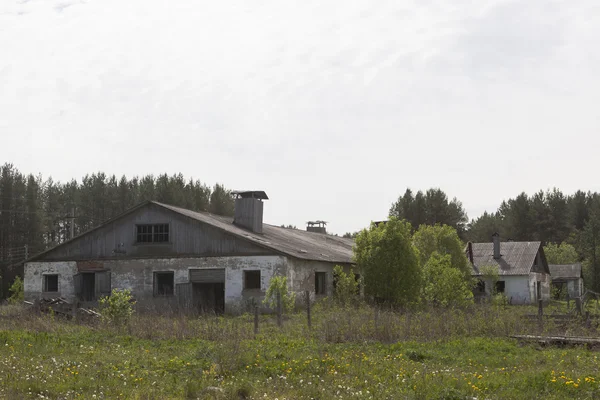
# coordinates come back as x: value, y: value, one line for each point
x: 91, y: 286
x: 208, y: 290
x: 209, y: 297
x: 88, y: 286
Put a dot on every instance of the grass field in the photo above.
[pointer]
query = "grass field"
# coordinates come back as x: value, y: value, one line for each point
x: 349, y: 353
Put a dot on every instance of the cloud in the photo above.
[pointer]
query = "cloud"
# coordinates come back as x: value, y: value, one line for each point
x: 350, y: 102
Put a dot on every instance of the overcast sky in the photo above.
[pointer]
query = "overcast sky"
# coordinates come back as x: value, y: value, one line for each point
x: 333, y: 108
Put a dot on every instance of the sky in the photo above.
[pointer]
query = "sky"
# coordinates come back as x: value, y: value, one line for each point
x: 333, y: 108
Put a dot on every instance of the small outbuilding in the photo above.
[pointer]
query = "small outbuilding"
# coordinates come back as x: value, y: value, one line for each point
x: 523, y: 273
x: 567, y: 280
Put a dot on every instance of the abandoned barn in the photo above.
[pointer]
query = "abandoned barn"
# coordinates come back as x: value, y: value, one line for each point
x: 523, y: 274
x: 168, y: 255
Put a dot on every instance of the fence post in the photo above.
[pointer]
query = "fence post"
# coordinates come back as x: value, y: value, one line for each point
x: 578, y: 305
x: 307, y: 293
x: 279, y: 320
x: 541, y: 315
x: 255, y: 320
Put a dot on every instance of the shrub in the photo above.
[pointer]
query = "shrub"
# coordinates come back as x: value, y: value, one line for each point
x: 118, y: 307
x: 389, y: 262
x: 16, y: 291
x: 445, y: 285
x: 278, y: 284
x: 346, y: 285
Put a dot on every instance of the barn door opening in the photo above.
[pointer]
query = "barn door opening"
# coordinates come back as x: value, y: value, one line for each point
x: 208, y: 289
x: 88, y: 286
x: 91, y: 286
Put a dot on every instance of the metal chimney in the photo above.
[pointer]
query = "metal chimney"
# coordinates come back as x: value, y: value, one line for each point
x: 496, y: 241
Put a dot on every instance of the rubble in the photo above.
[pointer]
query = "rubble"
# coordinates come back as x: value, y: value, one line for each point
x: 61, y: 306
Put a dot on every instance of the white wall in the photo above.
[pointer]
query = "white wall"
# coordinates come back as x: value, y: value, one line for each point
x: 137, y: 275
x: 33, y: 278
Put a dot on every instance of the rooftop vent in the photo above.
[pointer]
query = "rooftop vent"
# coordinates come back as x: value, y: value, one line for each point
x: 249, y: 209
x: 316, y: 226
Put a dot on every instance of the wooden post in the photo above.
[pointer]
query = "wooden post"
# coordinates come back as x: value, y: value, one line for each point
x: 578, y: 305
x: 255, y: 320
x: 376, y: 318
x: 307, y: 294
x: 279, y: 320
x: 540, y: 308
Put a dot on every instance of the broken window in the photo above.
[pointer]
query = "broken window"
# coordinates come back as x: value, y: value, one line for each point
x: 251, y: 279
x: 50, y: 283
x: 500, y: 287
x: 157, y: 233
x: 320, y: 287
x: 164, y: 283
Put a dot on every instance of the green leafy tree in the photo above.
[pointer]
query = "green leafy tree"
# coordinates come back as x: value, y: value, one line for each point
x: 117, y: 308
x: 16, y: 291
x: 346, y: 285
x: 278, y: 284
x: 443, y: 284
x: 444, y: 240
x: 388, y: 262
x: 563, y: 253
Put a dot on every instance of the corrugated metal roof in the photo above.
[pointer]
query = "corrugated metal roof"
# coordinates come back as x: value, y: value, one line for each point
x: 565, y: 271
x: 517, y: 258
x: 294, y: 242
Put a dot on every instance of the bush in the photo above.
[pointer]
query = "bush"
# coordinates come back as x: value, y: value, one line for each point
x: 278, y: 284
x: 444, y: 284
x: 389, y: 262
x: 346, y: 285
x: 16, y: 291
x: 118, y: 307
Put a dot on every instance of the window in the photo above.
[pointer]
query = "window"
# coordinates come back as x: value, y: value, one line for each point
x: 158, y: 233
x: 251, y: 279
x: 500, y: 287
x: 320, y: 287
x: 163, y: 283
x: 50, y: 283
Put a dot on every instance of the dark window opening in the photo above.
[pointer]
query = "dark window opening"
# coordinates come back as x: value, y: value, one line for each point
x: 164, y: 283
x: 50, y: 283
x: 500, y: 287
x: 158, y: 233
x: 320, y: 278
x: 480, y: 288
x: 251, y: 279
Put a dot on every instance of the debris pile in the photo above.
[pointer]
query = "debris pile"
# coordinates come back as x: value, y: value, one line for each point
x: 61, y: 306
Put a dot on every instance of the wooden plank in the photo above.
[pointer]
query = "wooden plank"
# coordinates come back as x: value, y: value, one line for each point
x: 558, y: 339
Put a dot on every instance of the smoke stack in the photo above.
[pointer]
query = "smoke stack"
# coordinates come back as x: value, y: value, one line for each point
x: 249, y: 209
x: 496, y: 241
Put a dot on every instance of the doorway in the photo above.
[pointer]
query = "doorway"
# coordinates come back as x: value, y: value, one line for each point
x: 88, y: 286
x: 209, y: 297
x: 208, y: 289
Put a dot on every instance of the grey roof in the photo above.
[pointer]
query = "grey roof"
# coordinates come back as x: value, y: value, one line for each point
x: 565, y: 271
x: 517, y: 258
x: 293, y: 242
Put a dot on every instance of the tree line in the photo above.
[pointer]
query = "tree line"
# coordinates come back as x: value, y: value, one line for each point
x: 37, y: 213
